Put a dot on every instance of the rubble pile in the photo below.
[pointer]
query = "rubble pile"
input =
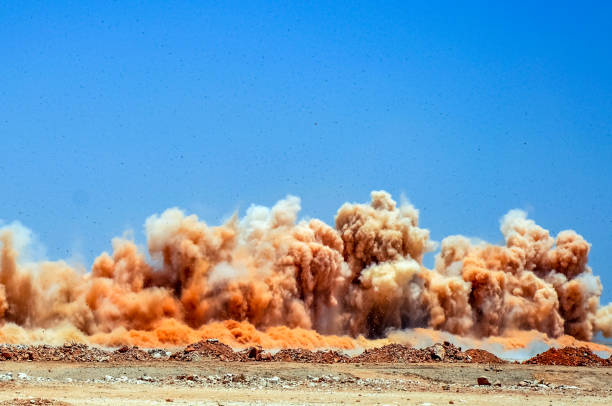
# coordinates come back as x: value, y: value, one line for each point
x: 446, y: 352
x: 78, y: 353
x: 570, y: 356
x: 127, y: 353
x: 67, y: 353
x: 483, y: 357
x: 393, y: 353
x: 213, y: 349
x: 319, y: 357
x: 208, y: 349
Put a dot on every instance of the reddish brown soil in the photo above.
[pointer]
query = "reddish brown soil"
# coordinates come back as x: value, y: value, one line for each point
x: 570, y: 356
x: 208, y: 349
x: 484, y: 357
x: 67, y: 353
x: 126, y: 353
x: 446, y: 352
x: 299, y: 355
x: 392, y: 353
x: 213, y: 349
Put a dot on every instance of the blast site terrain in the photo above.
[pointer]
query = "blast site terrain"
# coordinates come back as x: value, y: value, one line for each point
x: 211, y: 373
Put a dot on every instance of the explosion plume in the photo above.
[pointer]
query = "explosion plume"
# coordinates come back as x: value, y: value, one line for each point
x: 269, y: 279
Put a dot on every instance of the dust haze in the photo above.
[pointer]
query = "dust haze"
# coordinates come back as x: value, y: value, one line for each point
x: 272, y: 280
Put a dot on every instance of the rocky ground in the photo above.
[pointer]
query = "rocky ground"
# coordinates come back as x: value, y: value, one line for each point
x: 210, y: 373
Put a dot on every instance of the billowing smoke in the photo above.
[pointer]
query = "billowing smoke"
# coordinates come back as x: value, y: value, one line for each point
x: 272, y: 280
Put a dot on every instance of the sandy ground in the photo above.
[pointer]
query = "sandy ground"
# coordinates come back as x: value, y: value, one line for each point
x: 229, y: 383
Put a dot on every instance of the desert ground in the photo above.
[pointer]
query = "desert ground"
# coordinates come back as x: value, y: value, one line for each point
x: 215, y: 382
x: 211, y: 373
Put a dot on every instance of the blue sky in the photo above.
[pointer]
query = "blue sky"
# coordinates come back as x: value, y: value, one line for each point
x: 110, y: 112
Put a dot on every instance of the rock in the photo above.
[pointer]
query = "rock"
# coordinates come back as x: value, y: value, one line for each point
x: 265, y: 356
x: 253, y: 352
x: 497, y: 383
x: 157, y: 353
x: 438, y: 352
x: 483, y: 380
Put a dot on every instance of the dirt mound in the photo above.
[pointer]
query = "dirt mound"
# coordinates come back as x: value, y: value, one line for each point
x: 213, y: 349
x: 484, y: 357
x: 34, y: 402
x: 76, y: 353
x: 67, y: 352
x: 127, y: 353
x: 210, y: 348
x: 570, y: 356
x: 300, y: 355
x: 446, y: 352
x: 393, y: 353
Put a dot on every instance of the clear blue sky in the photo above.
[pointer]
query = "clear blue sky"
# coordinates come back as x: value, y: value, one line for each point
x: 110, y: 112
